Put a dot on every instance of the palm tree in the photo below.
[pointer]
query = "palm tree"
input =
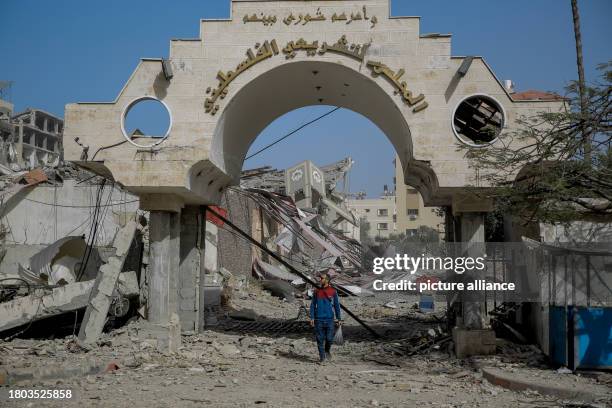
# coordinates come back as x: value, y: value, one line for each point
x: 581, y: 82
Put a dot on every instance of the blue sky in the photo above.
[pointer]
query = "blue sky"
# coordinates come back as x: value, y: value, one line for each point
x: 63, y: 51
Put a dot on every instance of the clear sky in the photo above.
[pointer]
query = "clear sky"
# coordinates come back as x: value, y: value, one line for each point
x: 63, y: 51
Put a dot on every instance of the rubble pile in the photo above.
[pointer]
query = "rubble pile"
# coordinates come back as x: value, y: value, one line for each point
x: 126, y: 368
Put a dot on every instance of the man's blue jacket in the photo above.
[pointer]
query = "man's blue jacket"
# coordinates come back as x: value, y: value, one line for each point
x: 324, y: 304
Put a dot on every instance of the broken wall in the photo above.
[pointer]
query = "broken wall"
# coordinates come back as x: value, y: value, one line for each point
x: 36, y: 217
x: 234, y: 252
x: 46, y: 213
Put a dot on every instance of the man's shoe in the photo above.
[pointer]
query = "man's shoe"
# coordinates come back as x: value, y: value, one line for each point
x: 328, y: 356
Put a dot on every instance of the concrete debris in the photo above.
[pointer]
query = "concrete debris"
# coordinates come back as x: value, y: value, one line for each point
x: 44, y: 303
x: 354, y: 290
x: 244, y: 314
x: 47, y: 302
x: 473, y: 342
x: 264, y: 270
x: 420, y: 343
x: 57, y: 264
x: 227, y: 350
x: 87, y: 368
x: 127, y: 284
x: 280, y: 289
x: 104, y: 286
x: 273, y: 180
x: 216, y: 362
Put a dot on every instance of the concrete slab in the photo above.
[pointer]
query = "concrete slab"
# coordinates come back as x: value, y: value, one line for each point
x: 43, y: 304
x: 53, y: 302
x: 104, y: 286
x: 511, y: 381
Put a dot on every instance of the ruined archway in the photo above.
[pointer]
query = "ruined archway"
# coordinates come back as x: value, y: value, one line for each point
x: 295, y: 85
x: 222, y: 88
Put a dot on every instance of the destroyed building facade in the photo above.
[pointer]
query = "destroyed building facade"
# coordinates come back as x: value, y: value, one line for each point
x: 217, y: 111
x: 30, y: 139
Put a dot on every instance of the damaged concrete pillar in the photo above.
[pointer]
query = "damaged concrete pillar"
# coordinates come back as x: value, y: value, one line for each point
x: 469, y: 337
x: 198, y: 258
x: 209, y: 294
x: 191, y: 254
x: 210, y: 248
x: 472, y: 210
x: 164, y: 230
x: 104, y: 286
x: 473, y: 236
x: 164, y: 264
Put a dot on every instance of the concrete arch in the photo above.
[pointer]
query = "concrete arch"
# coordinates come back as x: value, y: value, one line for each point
x: 211, y: 133
x: 296, y: 85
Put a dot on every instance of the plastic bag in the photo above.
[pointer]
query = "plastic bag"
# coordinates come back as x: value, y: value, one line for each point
x: 338, y: 337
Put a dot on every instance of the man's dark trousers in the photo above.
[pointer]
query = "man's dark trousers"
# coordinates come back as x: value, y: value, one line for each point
x: 325, y: 330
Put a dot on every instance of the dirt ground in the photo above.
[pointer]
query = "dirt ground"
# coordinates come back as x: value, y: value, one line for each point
x: 220, y: 368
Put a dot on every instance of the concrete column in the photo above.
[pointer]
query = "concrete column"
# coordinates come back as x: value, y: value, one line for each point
x: 473, y: 237
x: 19, y: 147
x: 472, y: 227
x: 164, y: 230
x: 209, y: 265
x: 210, y: 248
x: 189, y: 269
x: 164, y: 326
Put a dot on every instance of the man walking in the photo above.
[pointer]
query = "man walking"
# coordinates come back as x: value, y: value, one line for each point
x: 324, y: 306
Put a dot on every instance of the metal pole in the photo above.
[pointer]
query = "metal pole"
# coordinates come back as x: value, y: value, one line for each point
x: 288, y: 266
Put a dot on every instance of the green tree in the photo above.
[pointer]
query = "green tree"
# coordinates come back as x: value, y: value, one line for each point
x: 553, y: 175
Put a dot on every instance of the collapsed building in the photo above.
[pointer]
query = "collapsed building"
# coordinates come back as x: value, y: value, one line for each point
x: 30, y: 139
x: 312, y: 195
x: 201, y: 155
x: 58, y: 227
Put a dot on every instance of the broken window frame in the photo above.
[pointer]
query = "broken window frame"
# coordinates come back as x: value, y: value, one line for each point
x: 491, y: 101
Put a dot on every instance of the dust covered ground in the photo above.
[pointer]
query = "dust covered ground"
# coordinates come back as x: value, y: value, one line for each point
x: 221, y: 368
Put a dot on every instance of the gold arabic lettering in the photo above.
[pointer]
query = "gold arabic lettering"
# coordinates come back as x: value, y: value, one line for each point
x: 342, y: 46
x: 378, y: 68
x: 266, y: 20
x: 264, y: 51
x: 304, y: 19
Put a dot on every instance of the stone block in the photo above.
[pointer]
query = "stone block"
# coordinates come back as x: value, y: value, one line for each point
x: 473, y: 342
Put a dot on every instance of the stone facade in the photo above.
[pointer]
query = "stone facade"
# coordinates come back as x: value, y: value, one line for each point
x: 203, y: 152
x: 269, y: 58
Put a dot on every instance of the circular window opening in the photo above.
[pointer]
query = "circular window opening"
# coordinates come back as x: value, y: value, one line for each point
x: 146, y: 122
x: 478, y: 120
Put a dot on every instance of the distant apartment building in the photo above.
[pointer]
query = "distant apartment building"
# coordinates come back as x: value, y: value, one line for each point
x: 377, y: 215
x: 410, y: 209
x: 29, y: 139
x: 399, y: 212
